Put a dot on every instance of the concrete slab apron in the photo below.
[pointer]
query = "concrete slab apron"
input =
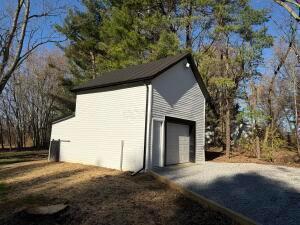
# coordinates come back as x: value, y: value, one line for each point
x: 267, y: 194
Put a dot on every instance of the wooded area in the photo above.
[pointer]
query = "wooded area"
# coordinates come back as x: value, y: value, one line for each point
x: 256, y: 101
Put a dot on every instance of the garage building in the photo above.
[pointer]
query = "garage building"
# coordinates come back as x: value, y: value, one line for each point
x: 144, y: 116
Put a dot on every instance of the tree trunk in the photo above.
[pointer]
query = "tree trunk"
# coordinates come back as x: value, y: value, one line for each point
x: 1, y: 135
x: 227, y: 124
x: 188, y: 27
x: 296, y: 115
x: 257, y: 147
x: 9, y: 135
x: 93, y: 64
x: 24, y: 139
x: 18, y: 136
x: 6, y: 74
x: 266, y: 138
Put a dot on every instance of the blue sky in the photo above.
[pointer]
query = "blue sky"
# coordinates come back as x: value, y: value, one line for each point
x: 277, y: 13
x: 45, y: 26
x: 278, y: 18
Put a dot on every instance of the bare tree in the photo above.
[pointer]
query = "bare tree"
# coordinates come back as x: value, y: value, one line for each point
x: 290, y: 64
x: 28, y: 104
x: 18, y: 39
x: 290, y: 70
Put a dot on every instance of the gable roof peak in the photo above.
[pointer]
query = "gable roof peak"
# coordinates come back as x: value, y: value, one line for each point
x: 135, y: 73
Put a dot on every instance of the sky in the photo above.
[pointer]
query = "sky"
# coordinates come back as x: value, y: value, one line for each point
x: 45, y: 25
x: 278, y: 16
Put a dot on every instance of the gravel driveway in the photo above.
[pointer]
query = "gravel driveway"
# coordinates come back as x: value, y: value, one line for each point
x: 267, y: 194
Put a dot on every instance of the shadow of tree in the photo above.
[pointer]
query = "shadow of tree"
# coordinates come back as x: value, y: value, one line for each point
x: 21, y: 156
x: 24, y: 155
x: 266, y: 200
x: 210, y: 155
x: 99, y: 196
x: 49, y: 179
x: 13, y: 170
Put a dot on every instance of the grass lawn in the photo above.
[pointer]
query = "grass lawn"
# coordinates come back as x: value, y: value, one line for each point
x: 95, y: 196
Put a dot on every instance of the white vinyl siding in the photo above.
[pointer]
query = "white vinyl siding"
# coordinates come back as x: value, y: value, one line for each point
x: 64, y: 130
x: 102, y: 121
x: 176, y: 93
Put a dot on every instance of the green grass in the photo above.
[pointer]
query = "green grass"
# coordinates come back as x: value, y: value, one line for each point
x: 21, y: 156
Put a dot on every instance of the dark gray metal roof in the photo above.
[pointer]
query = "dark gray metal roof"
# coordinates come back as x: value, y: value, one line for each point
x: 60, y: 119
x: 131, y: 74
x: 142, y: 72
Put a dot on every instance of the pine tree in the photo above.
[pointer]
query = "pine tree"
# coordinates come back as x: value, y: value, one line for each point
x: 83, y: 32
x: 114, y: 34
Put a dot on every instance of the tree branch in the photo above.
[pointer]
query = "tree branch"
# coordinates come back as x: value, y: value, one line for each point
x: 289, y: 9
x: 16, y: 59
x: 7, y: 46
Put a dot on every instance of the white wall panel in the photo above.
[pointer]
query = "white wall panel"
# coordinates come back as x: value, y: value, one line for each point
x: 102, y: 120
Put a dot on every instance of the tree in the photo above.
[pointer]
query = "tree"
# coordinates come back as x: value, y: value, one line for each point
x: 288, y: 70
x: 83, y: 30
x: 13, y: 35
x: 233, y: 57
x: 139, y: 31
x: 28, y: 104
x: 292, y: 6
x: 291, y: 73
x: 114, y: 34
x: 270, y: 116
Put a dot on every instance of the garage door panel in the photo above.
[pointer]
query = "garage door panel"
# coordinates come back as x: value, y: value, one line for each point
x: 178, y: 143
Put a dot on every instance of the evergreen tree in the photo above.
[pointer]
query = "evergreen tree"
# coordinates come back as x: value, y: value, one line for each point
x: 135, y: 32
x: 110, y: 35
x: 83, y: 31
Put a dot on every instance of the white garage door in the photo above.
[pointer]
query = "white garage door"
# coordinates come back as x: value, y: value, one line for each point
x: 178, y: 143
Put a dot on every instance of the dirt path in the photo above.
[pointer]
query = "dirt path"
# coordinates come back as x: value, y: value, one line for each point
x: 96, y: 196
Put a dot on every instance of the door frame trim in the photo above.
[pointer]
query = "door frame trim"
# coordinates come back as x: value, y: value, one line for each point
x: 162, y: 139
x: 190, y: 123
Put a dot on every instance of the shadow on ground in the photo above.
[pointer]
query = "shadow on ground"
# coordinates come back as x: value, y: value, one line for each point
x: 10, y: 157
x: 265, y: 200
x: 210, y: 155
x: 95, y: 196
